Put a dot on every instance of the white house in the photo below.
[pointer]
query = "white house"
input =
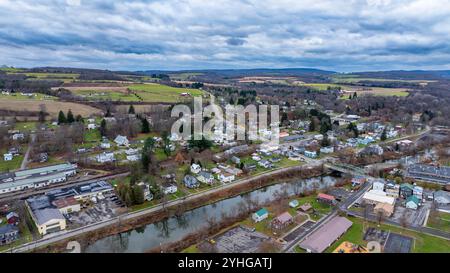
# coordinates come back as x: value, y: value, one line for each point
x: 265, y: 164
x: 18, y: 136
x: 378, y: 186
x: 8, y: 157
x: 91, y: 126
x: 169, y: 188
x: 133, y: 157
x: 105, y: 157
x: 327, y: 150
x: 121, y: 140
x: 310, y: 154
x: 260, y: 215
x: 195, y: 168
x: 226, y: 177
x: 105, y: 145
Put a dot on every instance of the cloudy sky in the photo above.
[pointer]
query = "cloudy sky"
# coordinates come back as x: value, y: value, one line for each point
x: 350, y: 35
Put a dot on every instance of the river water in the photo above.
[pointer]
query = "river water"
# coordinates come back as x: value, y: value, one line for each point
x: 175, y: 228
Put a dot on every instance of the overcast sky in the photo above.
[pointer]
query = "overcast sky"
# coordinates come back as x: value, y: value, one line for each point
x: 196, y: 34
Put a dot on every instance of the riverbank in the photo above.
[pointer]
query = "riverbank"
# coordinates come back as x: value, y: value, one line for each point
x: 90, y: 237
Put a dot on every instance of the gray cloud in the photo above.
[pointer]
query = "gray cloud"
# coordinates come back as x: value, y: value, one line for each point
x: 188, y: 34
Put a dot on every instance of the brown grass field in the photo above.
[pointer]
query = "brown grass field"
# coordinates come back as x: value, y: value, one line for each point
x: 53, y: 107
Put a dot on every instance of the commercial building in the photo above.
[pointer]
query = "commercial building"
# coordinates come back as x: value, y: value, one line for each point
x: 325, y: 236
x: 36, y: 178
x: 440, y: 174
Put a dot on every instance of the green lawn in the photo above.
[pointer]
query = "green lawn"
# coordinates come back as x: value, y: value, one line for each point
x: 92, y: 135
x: 153, y: 92
x: 106, y: 95
x: 10, y: 165
x: 25, y: 126
x: 443, y: 222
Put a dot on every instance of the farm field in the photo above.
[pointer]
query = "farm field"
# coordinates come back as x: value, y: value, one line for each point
x: 356, y: 79
x: 161, y: 93
x: 53, y: 107
x: 60, y: 76
x: 18, y: 96
x: 360, y: 90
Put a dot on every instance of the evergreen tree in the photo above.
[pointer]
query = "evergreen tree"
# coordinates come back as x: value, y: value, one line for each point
x: 79, y: 118
x: 138, y: 195
x: 70, y: 118
x: 108, y: 113
x: 325, y: 142
x: 145, y: 126
x: 131, y: 110
x: 103, y: 127
x: 61, y: 118
x: 383, y: 135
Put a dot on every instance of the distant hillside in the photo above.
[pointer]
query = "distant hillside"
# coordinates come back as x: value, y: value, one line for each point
x: 404, y: 74
x: 249, y: 72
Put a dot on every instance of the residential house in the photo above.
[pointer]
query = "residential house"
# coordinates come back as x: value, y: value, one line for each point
x: 283, y: 220
x: 105, y: 157
x: 133, y: 158
x: 294, y: 203
x: 8, y: 234
x: 105, y: 144
x: 7, y: 157
x: 226, y: 177
x: 378, y: 185
x: 412, y: 202
x: 12, y: 218
x: 235, y: 160
x: 18, y: 136
x: 234, y: 171
x: 358, y: 180
x: 195, y: 168
x: 91, y: 126
x: 205, y: 177
x: 441, y: 197
x: 406, y: 190
x: 310, y: 154
x: 418, y: 192
x: 121, y: 141
x: 265, y: 164
x: 260, y: 215
x: 249, y: 167
x: 306, y: 207
x: 190, y: 182
x: 169, y: 188
x: 326, y: 199
x: 43, y: 157
x: 327, y: 150
x: 392, y: 189
x: 148, y: 195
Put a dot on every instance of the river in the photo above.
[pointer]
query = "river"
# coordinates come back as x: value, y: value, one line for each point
x: 175, y: 228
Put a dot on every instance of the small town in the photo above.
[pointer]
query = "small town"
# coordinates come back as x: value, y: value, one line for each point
x: 229, y: 135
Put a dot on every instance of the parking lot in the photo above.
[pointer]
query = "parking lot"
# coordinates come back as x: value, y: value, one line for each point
x: 238, y: 240
x: 299, y: 231
x: 93, y: 212
x: 412, y: 217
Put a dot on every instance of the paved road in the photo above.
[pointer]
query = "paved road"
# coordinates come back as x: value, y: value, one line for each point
x: 27, y: 153
x: 52, y: 238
